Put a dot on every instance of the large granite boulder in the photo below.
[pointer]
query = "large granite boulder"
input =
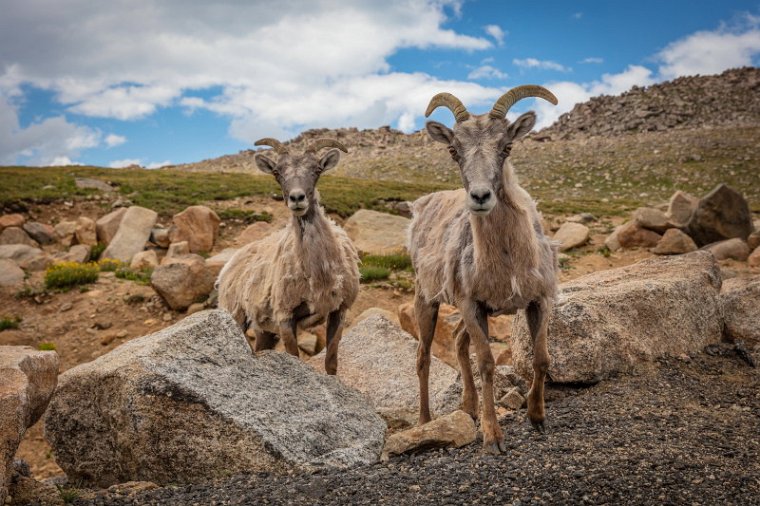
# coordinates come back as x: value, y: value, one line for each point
x: 379, y: 359
x: 192, y: 403
x: 721, y: 214
x: 27, y: 257
x: 107, y: 225
x: 377, y: 233
x: 609, y: 321
x: 16, y: 235
x: 134, y: 230
x: 27, y: 381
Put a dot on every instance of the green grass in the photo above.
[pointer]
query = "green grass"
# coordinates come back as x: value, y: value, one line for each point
x: 371, y: 273
x: 9, y: 323
x: 244, y: 215
x: 395, y: 262
x: 96, y: 251
x: 141, y: 276
x: 65, y: 275
x: 170, y: 191
x: 46, y: 346
x: 68, y: 495
x: 109, y: 265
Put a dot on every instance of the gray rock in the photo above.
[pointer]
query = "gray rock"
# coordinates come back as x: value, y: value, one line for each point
x: 734, y: 249
x: 176, y: 249
x: 740, y: 306
x: 107, y: 226
x: 379, y: 359
x: 40, y: 232
x: 198, y: 225
x: 631, y: 235
x: 753, y: 241
x: 721, y: 214
x: 27, y: 381
x: 86, y: 231
x: 11, y: 220
x: 674, y: 242
x: 754, y: 258
x: 27, y: 257
x: 134, y: 231
x: 160, y: 237
x: 651, y: 219
x: 16, y: 235
x: 513, y: 399
x: 10, y: 273
x: 144, y: 260
x: 66, y: 232
x: 681, y: 207
x: 77, y: 253
x: 571, y: 235
x: 183, y: 280
x: 609, y: 321
x: 192, y: 403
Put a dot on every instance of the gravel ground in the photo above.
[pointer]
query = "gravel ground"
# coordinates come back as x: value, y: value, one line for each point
x: 684, y: 432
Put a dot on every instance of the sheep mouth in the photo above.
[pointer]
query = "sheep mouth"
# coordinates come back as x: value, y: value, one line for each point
x: 299, y: 211
x: 481, y: 210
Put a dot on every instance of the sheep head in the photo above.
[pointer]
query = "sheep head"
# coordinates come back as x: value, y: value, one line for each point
x: 480, y: 144
x: 297, y: 174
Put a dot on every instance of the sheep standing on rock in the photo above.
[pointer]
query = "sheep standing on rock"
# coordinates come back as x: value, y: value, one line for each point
x: 482, y: 249
x: 302, y: 275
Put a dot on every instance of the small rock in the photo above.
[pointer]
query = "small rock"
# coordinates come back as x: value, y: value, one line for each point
x: 176, y: 249
x: 651, y: 219
x: 512, y: 399
x: 66, y: 231
x: 377, y: 233
x: 27, y: 257
x: 453, y: 430
x: 144, y: 260
x: 754, y: 259
x: 194, y: 308
x: 376, y: 311
x: 183, y: 280
x: 681, y: 207
x: 734, y: 249
x: 94, y: 184
x: 571, y: 235
x: 740, y: 306
x: 631, y: 235
x: 66, y: 306
x: 16, y: 235
x: 674, y: 242
x: 582, y: 218
x: 11, y: 220
x: 78, y: 253
x: 753, y: 241
x: 309, y: 343
x: 198, y: 225
x: 160, y: 237
x: 721, y: 214
x: 40, y: 232
x: 107, y: 226
x: 11, y: 274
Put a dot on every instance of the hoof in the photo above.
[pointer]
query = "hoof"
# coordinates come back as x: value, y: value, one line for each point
x: 539, y: 426
x: 495, y: 447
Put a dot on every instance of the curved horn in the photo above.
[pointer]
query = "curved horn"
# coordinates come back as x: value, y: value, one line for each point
x: 278, y: 146
x: 451, y: 102
x: 325, y: 143
x: 514, y: 95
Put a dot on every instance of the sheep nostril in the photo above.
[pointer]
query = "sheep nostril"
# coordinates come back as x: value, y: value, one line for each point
x: 480, y: 196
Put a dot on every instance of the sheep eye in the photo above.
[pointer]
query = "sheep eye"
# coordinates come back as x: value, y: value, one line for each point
x: 507, y: 149
x: 452, y: 151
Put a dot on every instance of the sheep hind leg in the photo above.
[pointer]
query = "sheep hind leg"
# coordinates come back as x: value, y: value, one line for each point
x: 469, y: 394
x: 334, y: 334
x: 476, y: 324
x: 264, y: 340
x: 427, y: 317
x: 288, y: 333
x: 537, y: 315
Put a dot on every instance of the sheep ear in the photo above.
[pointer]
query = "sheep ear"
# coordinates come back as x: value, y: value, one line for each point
x: 265, y: 164
x: 439, y: 132
x: 522, y: 126
x: 329, y: 161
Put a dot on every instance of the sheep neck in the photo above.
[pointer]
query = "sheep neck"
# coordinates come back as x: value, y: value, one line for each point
x: 504, y: 241
x: 316, y: 245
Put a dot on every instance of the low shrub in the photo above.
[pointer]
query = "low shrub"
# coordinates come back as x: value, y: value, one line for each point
x: 395, y: 262
x: 46, y: 346
x: 9, y: 322
x: 141, y: 276
x: 65, y: 275
x: 371, y: 273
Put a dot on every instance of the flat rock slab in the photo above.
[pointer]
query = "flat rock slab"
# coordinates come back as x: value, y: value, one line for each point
x: 609, y: 321
x: 379, y: 359
x: 134, y: 230
x: 377, y: 233
x: 192, y: 403
x: 453, y: 430
x: 27, y: 381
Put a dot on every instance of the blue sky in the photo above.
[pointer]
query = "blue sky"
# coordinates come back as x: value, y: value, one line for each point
x: 173, y: 81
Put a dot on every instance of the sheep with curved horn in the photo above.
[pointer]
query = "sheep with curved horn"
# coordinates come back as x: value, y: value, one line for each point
x: 483, y: 249
x: 302, y: 275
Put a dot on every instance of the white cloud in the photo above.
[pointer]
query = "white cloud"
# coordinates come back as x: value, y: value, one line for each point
x: 120, y: 164
x: 61, y: 161
x: 496, y: 32
x: 52, y: 140
x: 711, y: 52
x: 486, y: 72
x: 113, y: 140
x: 593, y: 60
x: 540, y: 64
x: 577, y: 15
x: 158, y: 165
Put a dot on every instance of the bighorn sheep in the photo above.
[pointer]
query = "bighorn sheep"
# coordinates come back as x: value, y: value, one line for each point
x: 482, y: 249
x: 302, y: 275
